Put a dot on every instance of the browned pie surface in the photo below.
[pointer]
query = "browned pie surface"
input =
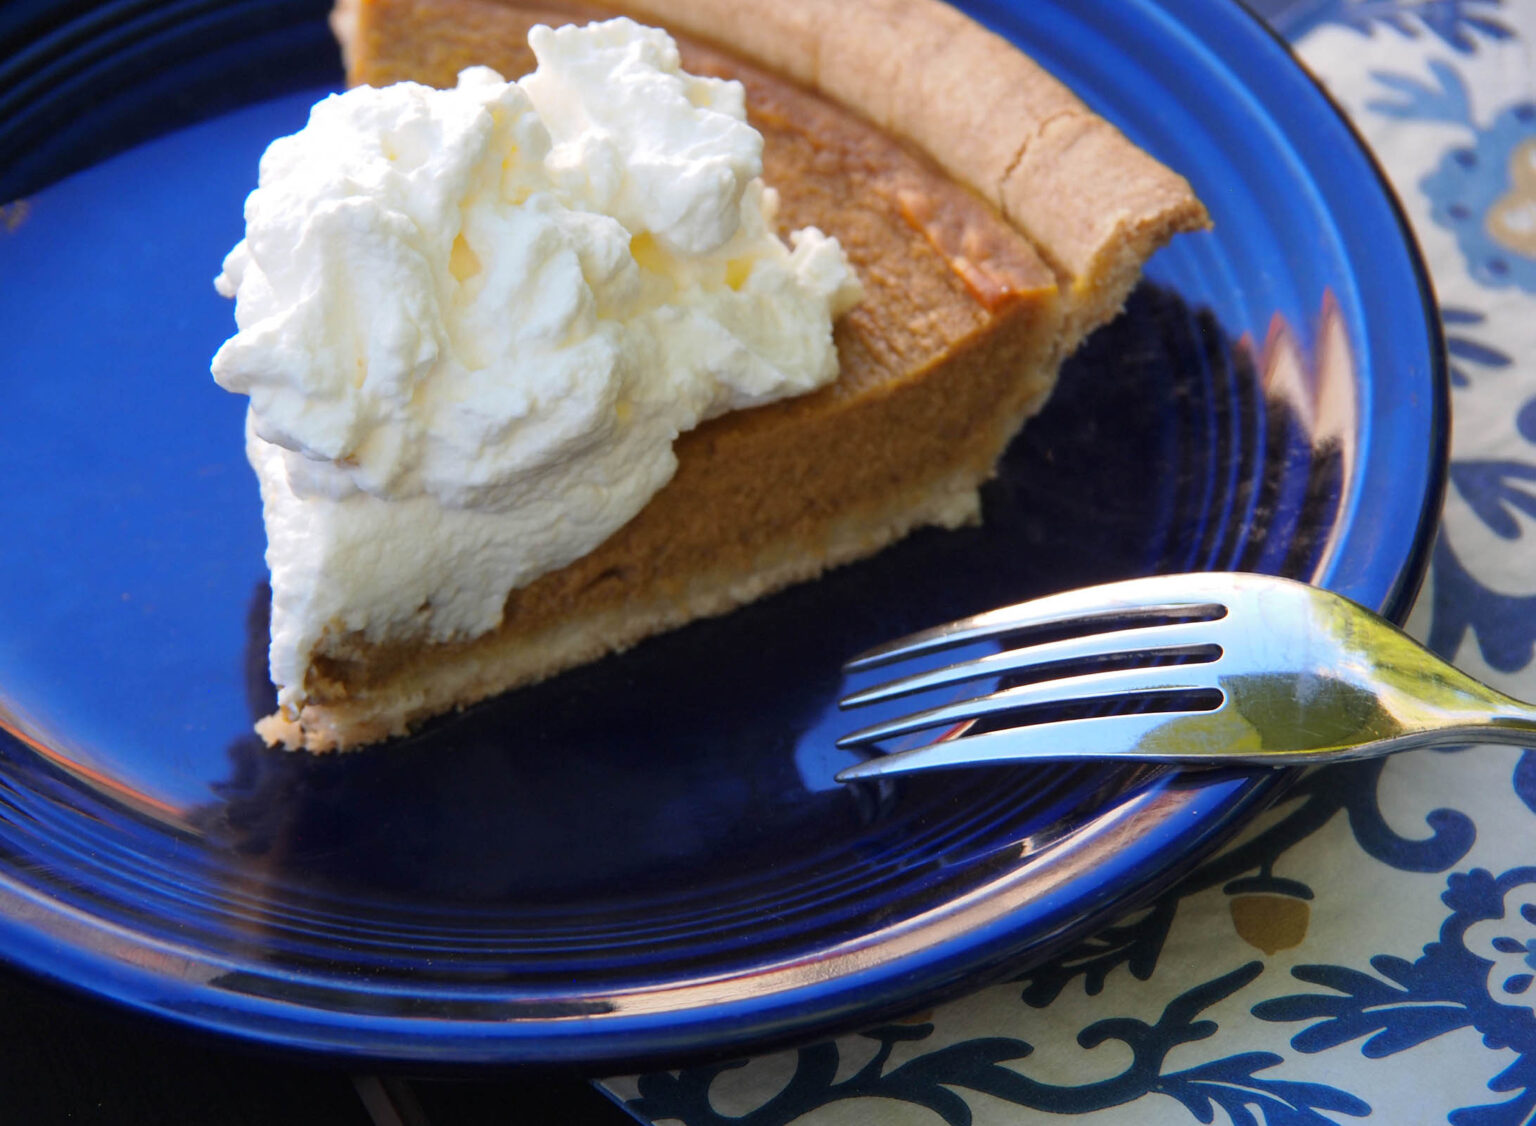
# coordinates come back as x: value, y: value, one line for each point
x: 956, y: 340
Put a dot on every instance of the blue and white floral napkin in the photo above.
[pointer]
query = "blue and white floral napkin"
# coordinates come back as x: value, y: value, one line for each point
x: 1367, y: 949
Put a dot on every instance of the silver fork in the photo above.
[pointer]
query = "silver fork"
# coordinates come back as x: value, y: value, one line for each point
x: 1200, y: 668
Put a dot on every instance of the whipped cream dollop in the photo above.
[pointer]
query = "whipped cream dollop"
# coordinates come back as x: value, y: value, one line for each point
x: 473, y: 321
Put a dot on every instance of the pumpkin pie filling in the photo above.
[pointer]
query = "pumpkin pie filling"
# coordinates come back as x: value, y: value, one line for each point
x: 963, y: 324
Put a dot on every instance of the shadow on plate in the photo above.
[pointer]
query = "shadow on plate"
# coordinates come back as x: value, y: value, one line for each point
x: 700, y: 762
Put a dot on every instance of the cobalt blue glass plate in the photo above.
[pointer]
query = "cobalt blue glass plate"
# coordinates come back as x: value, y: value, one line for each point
x: 646, y: 859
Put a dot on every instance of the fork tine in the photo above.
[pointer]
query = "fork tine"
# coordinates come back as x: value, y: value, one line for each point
x: 1090, y: 606
x: 1114, y: 682
x: 1093, y: 737
x: 1191, y: 639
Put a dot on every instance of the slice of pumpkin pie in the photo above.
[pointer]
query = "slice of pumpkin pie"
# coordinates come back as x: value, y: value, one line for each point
x: 540, y: 368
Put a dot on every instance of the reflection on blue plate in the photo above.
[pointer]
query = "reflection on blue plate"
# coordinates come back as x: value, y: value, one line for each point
x: 645, y: 859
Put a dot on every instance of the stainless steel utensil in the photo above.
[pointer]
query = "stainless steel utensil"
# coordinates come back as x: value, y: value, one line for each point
x: 1206, y: 668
